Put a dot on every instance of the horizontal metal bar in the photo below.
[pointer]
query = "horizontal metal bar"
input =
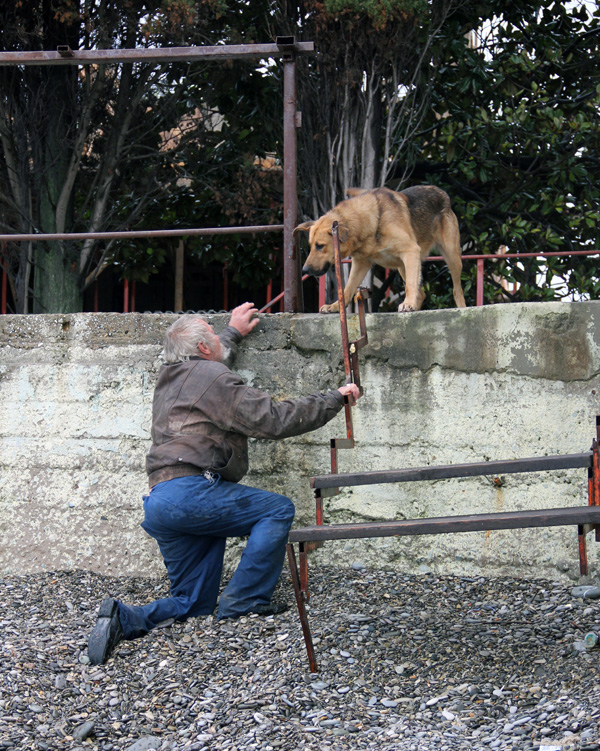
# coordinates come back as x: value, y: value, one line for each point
x: 126, y: 234
x: 556, y: 517
x: 154, y: 55
x: 478, y: 469
x: 120, y: 235
x: 504, y: 256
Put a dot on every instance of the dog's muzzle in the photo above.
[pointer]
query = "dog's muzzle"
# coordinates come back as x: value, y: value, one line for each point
x: 316, y: 272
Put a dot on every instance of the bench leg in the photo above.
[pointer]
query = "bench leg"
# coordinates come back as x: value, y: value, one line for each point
x: 303, y: 554
x: 593, y: 500
x: 595, y: 482
x: 583, y: 564
x: 310, y: 650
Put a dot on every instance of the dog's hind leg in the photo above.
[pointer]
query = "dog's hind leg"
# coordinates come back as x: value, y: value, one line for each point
x: 455, y: 267
x: 448, y: 241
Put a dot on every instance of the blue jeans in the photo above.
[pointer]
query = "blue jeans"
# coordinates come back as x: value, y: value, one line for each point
x: 191, y: 518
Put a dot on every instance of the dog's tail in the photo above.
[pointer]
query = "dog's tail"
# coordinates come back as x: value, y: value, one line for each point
x: 352, y: 192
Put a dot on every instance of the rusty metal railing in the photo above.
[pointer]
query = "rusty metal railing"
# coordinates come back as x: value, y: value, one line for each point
x: 481, y: 260
x: 286, y: 48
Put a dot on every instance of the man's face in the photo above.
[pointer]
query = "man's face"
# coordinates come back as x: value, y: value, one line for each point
x: 212, y: 351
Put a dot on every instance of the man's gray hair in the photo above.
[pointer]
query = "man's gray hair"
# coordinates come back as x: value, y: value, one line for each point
x: 183, y: 336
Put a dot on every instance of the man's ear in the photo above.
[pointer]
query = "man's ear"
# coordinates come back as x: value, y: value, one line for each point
x: 205, y: 351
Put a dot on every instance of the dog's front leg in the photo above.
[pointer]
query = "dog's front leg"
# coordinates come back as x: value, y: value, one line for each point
x: 414, y: 294
x: 357, y: 273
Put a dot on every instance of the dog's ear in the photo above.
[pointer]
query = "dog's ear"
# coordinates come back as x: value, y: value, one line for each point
x: 343, y: 233
x: 302, y: 227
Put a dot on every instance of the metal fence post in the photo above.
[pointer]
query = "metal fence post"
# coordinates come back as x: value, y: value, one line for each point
x: 293, y: 300
x: 479, y: 290
x: 4, y: 277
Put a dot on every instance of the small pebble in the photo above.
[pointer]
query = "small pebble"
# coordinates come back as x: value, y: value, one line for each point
x: 587, y: 592
x: 145, y: 744
x: 83, y: 731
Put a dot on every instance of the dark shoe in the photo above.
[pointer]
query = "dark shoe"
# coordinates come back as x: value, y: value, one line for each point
x: 106, y: 634
x: 271, y: 609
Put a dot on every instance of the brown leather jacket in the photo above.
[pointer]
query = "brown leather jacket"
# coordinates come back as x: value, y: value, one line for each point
x: 203, y: 414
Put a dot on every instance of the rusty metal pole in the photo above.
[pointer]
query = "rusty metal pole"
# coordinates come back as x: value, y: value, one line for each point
x: 292, y: 301
x: 4, y: 280
x: 143, y: 233
x: 64, y: 56
x: 479, y: 286
x: 310, y: 650
x: 342, y: 305
x: 179, y: 261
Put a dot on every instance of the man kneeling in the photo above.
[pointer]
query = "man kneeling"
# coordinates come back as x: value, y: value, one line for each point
x: 202, y: 416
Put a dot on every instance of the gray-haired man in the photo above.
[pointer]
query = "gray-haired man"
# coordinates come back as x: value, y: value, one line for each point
x: 203, y: 415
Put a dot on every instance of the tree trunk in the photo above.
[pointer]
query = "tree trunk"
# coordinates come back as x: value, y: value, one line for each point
x: 56, y: 281
x: 56, y: 285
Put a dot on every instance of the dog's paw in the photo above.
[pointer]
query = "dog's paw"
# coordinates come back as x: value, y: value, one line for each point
x: 404, y: 308
x: 329, y: 308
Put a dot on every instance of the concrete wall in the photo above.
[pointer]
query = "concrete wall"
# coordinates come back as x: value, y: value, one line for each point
x: 441, y: 387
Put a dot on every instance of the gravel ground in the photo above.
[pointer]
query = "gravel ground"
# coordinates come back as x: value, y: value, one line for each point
x: 407, y: 662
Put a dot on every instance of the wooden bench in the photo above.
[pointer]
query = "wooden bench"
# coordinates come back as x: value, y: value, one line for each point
x: 586, y: 518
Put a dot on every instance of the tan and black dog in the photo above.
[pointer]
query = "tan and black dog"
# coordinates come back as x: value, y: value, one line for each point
x: 396, y: 230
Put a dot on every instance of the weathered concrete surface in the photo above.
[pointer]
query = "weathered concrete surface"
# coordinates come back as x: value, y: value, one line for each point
x: 441, y: 387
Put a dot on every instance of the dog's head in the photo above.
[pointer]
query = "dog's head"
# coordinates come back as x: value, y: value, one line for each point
x: 320, y: 238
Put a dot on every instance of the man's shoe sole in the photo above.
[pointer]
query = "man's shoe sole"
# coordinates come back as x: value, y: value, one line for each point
x: 106, y: 634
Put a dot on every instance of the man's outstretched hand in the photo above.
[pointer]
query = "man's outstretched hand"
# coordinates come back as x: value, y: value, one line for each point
x: 242, y: 318
x: 350, y: 389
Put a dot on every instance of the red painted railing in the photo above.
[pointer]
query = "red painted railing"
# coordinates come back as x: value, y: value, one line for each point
x: 129, y: 290
x: 481, y: 260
